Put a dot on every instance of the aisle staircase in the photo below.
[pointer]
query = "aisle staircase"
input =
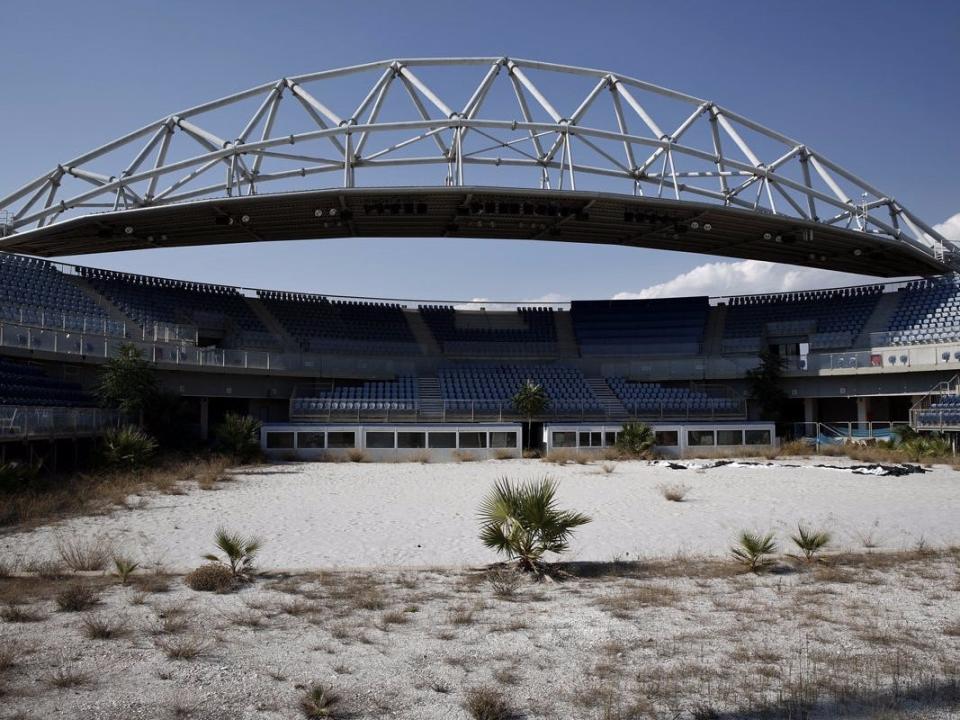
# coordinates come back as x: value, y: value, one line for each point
x: 428, y: 344
x: 431, y: 402
x: 286, y: 340
x: 566, y: 338
x: 879, y: 320
x: 608, y: 399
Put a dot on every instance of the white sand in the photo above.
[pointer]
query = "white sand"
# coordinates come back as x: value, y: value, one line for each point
x: 346, y: 515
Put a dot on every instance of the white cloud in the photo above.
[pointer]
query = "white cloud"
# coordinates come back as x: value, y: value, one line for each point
x: 950, y: 228
x: 744, y: 277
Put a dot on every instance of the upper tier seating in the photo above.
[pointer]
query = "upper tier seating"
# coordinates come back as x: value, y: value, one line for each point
x: 526, y: 331
x: 928, y: 311
x: 30, y: 287
x: 830, y: 318
x: 321, y: 325
x: 399, y: 394
x: 621, y: 327
x: 655, y: 399
x: 22, y: 384
x: 152, y: 300
x: 945, y: 411
x: 491, y: 387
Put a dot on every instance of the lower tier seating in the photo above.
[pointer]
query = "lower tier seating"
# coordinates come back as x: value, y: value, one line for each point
x: 22, y: 384
x: 491, y: 387
x: 654, y: 398
x: 399, y: 394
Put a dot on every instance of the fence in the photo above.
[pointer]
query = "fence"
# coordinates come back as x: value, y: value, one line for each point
x: 19, y: 422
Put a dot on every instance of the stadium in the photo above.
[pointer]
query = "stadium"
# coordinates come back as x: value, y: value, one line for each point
x: 586, y: 156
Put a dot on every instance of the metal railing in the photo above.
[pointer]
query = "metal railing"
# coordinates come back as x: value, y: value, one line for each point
x: 841, y: 433
x: 44, y: 319
x: 24, y: 422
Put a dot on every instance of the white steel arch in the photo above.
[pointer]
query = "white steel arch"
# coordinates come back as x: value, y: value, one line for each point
x: 711, y: 155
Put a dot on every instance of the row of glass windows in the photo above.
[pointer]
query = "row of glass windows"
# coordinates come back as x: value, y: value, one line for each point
x: 388, y: 439
x: 665, y: 438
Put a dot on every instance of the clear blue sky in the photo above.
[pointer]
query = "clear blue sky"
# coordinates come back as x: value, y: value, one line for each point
x: 873, y: 85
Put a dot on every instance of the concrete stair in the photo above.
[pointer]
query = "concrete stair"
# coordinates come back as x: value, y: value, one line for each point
x: 428, y: 344
x: 566, y: 339
x: 112, y: 311
x: 713, y: 332
x: 879, y: 320
x: 608, y: 399
x: 286, y: 340
x: 431, y: 401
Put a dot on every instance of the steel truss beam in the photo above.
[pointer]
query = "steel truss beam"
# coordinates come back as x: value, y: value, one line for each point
x: 633, y: 144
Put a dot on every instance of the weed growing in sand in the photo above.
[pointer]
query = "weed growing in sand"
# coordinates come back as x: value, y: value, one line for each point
x: 487, y: 703
x: 674, y: 492
x: 84, y: 555
x: 211, y: 577
x: 753, y: 550
x: 356, y: 455
x: 19, y: 614
x: 123, y: 568
x: 607, y: 468
x: 182, y: 647
x: 318, y: 702
x: 810, y: 542
x: 240, y: 552
x: 76, y: 597
x: 65, y: 678
x: 102, y: 627
x: 504, y: 581
x: 522, y: 521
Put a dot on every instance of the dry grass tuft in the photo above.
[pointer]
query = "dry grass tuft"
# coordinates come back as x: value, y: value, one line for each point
x: 462, y: 456
x: 77, y: 597
x: 183, y: 647
x: 65, y: 678
x: 487, y: 703
x: 505, y: 581
x: 102, y: 627
x: 356, y: 455
x: 85, y: 554
x: 12, y: 613
x: 212, y: 577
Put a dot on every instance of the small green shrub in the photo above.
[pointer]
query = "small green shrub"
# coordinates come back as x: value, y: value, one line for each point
x: 753, y: 550
x: 810, y: 542
x: 123, y: 568
x: 240, y: 552
x: 239, y: 436
x: 318, y: 702
x: 128, y: 447
x: 636, y: 439
x: 522, y: 521
x: 212, y: 577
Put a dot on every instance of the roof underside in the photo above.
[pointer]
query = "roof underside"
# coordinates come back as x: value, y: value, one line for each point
x: 488, y: 213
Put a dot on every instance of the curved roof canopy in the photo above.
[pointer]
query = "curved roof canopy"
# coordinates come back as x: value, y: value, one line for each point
x: 470, y: 147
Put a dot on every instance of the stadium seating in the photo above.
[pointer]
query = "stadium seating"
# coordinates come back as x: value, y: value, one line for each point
x: 32, y: 289
x: 655, y: 399
x: 491, y: 387
x: 399, y: 394
x: 813, y: 314
x: 945, y: 411
x: 150, y: 300
x: 22, y: 384
x: 620, y: 327
x: 322, y: 325
x: 525, y: 331
x: 928, y: 311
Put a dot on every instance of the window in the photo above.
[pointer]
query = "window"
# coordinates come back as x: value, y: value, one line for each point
x: 311, y: 440
x: 666, y: 438
x: 411, y: 439
x: 700, y: 437
x: 729, y: 437
x: 503, y: 439
x: 564, y: 439
x: 378, y: 440
x: 610, y: 438
x: 341, y: 440
x: 279, y: 440
x: 443, y: 439
x: 473, y: 439
x: 758, y: 437
x: 590, y: 439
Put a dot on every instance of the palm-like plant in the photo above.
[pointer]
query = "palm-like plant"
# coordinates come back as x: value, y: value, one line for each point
x: 636, y: 438
x: 753, y: 549
x: 522, y: 521
x: 240, y: 552
x: 530, y: 400
x: 239, y: 435
x: 810, y: 542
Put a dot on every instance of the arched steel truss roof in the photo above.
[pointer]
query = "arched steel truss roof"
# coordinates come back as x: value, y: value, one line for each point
x: 569, y: 129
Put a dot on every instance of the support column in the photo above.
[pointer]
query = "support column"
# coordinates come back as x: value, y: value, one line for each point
x: 863, y: 409
x: 204, y: 419
x: 809, y: 410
